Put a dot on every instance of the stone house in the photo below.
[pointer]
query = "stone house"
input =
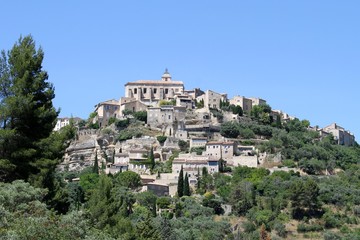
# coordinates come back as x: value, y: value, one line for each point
x: 198, y: 142
x: 168, y: 118
x: 243, y: 102
x: 194, y: 93
x: 193, y: 164
x: 121, y: 158
x: 150, y: 92
x: 62, y: 122
x: 137, y: 155
x: 106, y: 110
x: 218, y: 150
x: 212, y: 99
x: 185, y: 101
x: 257, y: 101
x: 342, y: 136
x: 131, y: 104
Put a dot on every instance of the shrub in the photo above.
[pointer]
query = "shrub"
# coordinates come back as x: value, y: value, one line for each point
x: 198, y: 150
x: 122, y: 123
x: 161, y: 139
x: 315, y: 227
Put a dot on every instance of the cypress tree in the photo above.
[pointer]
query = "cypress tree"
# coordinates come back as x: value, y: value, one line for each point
x: 152, y: 159
x: 113, y: 157
x: 186, y: 186
x: 96, y: 165
x: 180, y: 187
x: 198, y: 184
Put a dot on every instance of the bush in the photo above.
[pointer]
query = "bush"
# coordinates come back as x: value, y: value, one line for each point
x: 331, y: 221
x: 122, y: 123
x: 129, y: 133
x: 315, y: 227
x: 280, y: 229
x: 247, y: 133
x: 183, y: 145
x: 161, y: 139
x: 289, y: 163
x: 141, y: 116
x: 111, y: 120
x: 198, y: 150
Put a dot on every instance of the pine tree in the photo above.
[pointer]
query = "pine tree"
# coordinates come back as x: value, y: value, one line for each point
x: 96, y: 165
x: 27, y: 113
x: 186, y: 186
x: 180, y: 187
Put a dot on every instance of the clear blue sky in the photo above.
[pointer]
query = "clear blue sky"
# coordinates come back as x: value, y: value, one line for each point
x: 303, y: 57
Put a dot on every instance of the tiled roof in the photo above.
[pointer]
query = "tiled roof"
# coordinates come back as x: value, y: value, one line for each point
x: 220, y: 143
x: 155, y: 82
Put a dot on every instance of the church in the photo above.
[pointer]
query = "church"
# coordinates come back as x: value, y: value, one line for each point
x: 150, y: 92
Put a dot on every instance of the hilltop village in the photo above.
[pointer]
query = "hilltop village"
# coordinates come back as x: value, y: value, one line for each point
x: 179, y: 129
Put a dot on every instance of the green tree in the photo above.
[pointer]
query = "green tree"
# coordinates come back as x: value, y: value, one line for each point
x: 146, y: 229
x: 148, y: 200
x: 152, y: 159
x: 128, y: 179
x: 96, y: 165
x: 186, y: 186
x: 180, y: 187
x: 26, y: 109
x: 230, y: 130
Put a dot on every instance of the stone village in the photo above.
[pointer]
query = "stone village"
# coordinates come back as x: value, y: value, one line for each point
x: 188, y: 116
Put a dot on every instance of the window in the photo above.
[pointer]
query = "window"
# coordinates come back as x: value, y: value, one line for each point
x: 155, y: 90
x: 135, y: 90
x: 166, y: 90
x: 169, y: 116
x: 145, y: 90
x: 176, y: 90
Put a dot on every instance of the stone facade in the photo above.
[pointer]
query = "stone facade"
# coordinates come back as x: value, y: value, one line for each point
x: 150, y: 92
x: 257, y: 101
x: 63, y: 122
x: 243, y: 102
x: 131, y: 104
x: 168, y: 118
x: 198, y: 142
x: 218, y: 150
x: 212, y: 99
x: 342, y: 136
x: 193, y: 164
x: 106, y: 110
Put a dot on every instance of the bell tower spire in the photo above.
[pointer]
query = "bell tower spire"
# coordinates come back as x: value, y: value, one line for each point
x: 166, y: 76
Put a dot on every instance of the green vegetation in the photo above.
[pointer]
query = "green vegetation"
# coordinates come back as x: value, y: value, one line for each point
x: 167, y: 103
x: 161, y: 139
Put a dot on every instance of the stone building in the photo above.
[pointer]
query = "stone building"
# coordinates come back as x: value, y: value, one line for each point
x: 106, y: 110
x: 257, y: 101
x: 198, y: 142
x: 63, y: 122
x: 168, y: 118
x: 212, y: 99
x: 218, y: 150
x: 342, y: 136
x: 150, y: 92
x: 193, y: 164
x: 243, y: 102
x: 131, y: 104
